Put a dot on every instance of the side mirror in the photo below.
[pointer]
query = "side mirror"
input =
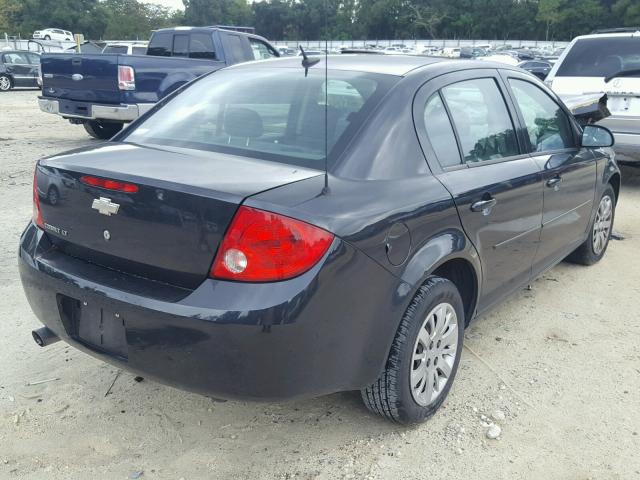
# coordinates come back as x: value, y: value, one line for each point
x: 596, y: 136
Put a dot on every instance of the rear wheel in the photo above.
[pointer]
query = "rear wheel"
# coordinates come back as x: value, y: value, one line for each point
x: 595, y: 246
x: 102, y: 130
x: 5, y: 83
x: 424, y: 356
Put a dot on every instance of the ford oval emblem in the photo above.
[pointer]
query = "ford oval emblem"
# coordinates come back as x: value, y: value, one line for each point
x: 77, y: 77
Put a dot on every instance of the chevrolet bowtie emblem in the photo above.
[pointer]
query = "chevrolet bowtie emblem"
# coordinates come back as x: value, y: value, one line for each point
x: 105, y: 206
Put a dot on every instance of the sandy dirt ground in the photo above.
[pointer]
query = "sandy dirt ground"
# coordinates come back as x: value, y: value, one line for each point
x: 560, y: 372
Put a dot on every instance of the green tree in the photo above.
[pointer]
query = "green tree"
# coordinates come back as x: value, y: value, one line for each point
x: 550, y: 12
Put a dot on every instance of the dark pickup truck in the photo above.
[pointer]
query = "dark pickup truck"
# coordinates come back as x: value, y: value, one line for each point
x: 105, y: 91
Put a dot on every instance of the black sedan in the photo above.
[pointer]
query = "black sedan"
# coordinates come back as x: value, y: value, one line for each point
x: 206, y: 245
x: 540, y: 68
x: 18, y: 68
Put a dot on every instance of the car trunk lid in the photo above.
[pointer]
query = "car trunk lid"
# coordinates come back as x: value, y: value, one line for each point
x: 169, y: 229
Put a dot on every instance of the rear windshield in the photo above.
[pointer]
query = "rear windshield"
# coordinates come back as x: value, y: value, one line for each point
x: 115, y: 49
x: 601, y: 57
x: 273, y: 114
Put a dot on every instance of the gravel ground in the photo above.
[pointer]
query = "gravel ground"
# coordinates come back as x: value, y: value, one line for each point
x: 557, y: 368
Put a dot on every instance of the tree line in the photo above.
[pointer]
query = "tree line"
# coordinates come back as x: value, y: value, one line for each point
x: 330, y: 19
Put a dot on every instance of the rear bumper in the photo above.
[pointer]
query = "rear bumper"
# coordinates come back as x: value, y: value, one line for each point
x: 89, y: 111
x: 626, y: 131
x: 316, y: 334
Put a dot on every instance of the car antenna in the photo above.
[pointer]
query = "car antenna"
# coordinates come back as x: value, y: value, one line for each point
x: 325, y: 190
x: 306, y: 61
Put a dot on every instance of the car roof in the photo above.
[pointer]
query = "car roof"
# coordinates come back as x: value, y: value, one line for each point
x: 398, y: 65
x: 610, y: 35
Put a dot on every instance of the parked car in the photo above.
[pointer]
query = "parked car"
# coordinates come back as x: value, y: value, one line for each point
x: 206, y: 245
x: 18, y: 68
x: 126, y: 48
x: 53, y: 34
x: 539, y: 68
x: 606, y: 63
x: 105, y: 91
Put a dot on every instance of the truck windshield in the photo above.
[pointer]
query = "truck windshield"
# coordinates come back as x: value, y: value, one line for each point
x: 601, y: 57
x: 274, y: 114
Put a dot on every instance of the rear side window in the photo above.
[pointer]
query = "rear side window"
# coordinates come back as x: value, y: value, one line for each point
x: 115, y: 49
x: 138, y: 50
x: 482, y: 121
x: 235, y: 47
x: 181, y: 45
x: 440, y: 132
x: 547, y: 124
x: 601, y: 57
x: 201, y: 46
x: 160, y: 45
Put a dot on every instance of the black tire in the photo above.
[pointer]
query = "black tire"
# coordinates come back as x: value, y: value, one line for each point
x: 586, y: 254
x: 53, y: 195
x: 6, y: 83
x: 391, y: 394
x: 102, y: 130
x: 47, y: 37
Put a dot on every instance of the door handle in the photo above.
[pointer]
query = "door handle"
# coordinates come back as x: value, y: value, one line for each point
x: 484, y: 206
x: 554, y: 182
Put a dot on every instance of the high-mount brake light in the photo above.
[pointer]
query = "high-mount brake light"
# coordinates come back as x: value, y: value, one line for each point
x: 126, y: 78
x: 109, y: 184
x: 262, y: 246
x: 37, y: 212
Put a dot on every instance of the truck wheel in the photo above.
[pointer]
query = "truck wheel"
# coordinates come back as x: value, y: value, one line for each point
x: 594, y: 247
x: 5, y: 83
x: 424, y: 356
x: 102, y: 130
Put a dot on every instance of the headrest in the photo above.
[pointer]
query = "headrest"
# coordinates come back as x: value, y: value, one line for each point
x: 243, y: 122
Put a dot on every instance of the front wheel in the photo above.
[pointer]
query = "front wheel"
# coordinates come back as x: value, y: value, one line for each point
x: 424, y: 356
x: 595, y: 246
x: 5, y: 83
x: 47, y: 37
x: 102, y: 130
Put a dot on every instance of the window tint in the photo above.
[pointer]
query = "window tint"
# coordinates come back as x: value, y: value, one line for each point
x: 440, y: 132
x: 482, y: 120
x: 160, y: 44
x: 235, y: 47
x: 181, y: 45
x: 273, y: 114
x: 547, y: 124
x: 201, y: 46
x: 260, y: 50
x: 601, y: 57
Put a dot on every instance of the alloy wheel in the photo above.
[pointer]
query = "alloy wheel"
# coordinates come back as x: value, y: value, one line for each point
x: 602, y: 225
x: 434, y: 354
x: 5, y: 83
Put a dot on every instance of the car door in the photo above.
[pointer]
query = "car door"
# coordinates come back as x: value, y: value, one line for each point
x: 17, y: 65
x: 465, y: 121
x: 569, y: 171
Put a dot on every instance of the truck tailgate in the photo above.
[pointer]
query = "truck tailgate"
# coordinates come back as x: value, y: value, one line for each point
x: 86, y: 78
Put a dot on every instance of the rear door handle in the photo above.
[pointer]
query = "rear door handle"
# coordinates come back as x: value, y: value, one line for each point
x: 484, y: 206
x: 554, y: 182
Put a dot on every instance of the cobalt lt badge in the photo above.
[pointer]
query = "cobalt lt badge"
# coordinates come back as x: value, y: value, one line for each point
x: 105, y: 206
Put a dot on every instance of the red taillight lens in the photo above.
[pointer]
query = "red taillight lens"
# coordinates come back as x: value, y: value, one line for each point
x: 265, y: 247
x: 37, y: 213
x: 126, y: 78
x: 109, y: 184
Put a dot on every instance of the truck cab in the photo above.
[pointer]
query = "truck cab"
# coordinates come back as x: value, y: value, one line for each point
x: 104, y: 91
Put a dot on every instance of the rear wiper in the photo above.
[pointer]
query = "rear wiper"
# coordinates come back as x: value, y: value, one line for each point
x: 622, y: 73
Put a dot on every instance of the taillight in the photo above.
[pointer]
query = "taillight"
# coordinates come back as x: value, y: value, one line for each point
x: 263, y: 246
x: 126, y: 78
x: 109, y: 184
x: 37, y: 213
